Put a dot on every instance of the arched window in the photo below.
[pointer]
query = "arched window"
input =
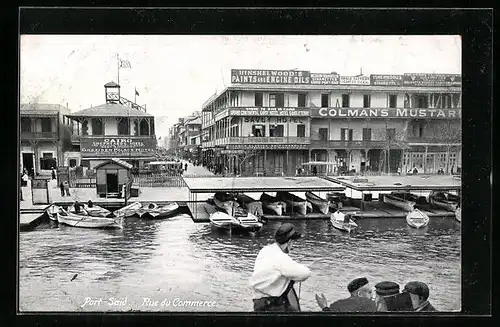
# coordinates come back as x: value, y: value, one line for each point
x: 97, y: 127
x: 144, y: 127
x: 123, y: 126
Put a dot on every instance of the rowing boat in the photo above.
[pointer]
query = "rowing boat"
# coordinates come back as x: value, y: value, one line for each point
x: 272, y: 204
x: 222, y: 220
x: 52, y: 212
x: 403, y: 200
x: 343, y: 221
x: 247, y: 222
x: 319, y: 203
x: 85, y: 220
x: 444, y: 200
x: 253, y: 206
x: 225, y: 201
x: 129, y: 210
x: 417, y: 219
x: 293, y: 201
x: 168, y: 210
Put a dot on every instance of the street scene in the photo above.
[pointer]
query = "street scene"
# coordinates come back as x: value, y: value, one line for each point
x: 240, y: 173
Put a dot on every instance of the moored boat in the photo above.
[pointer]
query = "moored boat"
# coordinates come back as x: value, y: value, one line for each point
x: 403, y: 200
x: 128, y: 211
x: 272, y: 204
x: 247, y: 222
x: 222, y: 220
x: 444, y: 200
x: 293, y: 201
x: 317, y: 202
x: 168, y: 210
x: 87, y: 221
x: 94, y: 211
x: 225, y: 202
x: 52, y: 212
x: 253, y: 206
x: 146, y: 208
x: 343, y: 221
x: 417, y: 219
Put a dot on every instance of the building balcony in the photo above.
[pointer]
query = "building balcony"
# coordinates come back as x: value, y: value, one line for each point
x: 265, y: 140
x: 39, y: 136
x: 433, y: 140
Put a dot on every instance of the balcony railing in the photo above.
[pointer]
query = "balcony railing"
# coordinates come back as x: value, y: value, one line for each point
x: 38, y: 135
x: 78, y: 137
x: 348, y: 144
x: 437, y: 140
x: 267, y: 140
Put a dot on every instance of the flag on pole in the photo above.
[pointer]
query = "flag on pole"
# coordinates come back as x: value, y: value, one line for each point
x: 136, y: 93
x: 125, y: 64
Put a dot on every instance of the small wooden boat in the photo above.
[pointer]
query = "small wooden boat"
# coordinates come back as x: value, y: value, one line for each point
x: 247, y: 222
x: 52, y: 212
x: 342, y: 221
x: 417, y: 219
x: 222, y: 220
x: 128, y: 211
x: 458, y: 214
x: 272, y: 204
x: 225, y: 201
x: 403, y: 200
x: 94, y: 211
x: 85, y: 220
x: 146, y: 208
x: 319, y: 203
x: 293, y: 201
x: 444, y: 200
x: 168, y: 210
x: 253, y: 206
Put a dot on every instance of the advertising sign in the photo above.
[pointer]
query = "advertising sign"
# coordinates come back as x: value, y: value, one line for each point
x: 324, y: 79
x: 386, y: 80
x: 255, y: 76
x: 355, y: 80
x: 267, y: 146
x: 432, y: 80
x: 269, y: 111
x: 386, y: 113
x: 117, y: 146
x: 274, y: 120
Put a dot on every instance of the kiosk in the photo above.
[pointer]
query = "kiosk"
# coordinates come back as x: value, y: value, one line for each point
x: 113, y: 179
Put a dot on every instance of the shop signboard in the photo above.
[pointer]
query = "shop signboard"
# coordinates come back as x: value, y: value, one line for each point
x: 267, y: 146
x: 386, y: 80
x: 324, y: 79
x: 432, y: 80
x: 386, y: 113
x: 355, y: 80
x: 117, y: 146
x: 269, y: 111
x: 259, y: 76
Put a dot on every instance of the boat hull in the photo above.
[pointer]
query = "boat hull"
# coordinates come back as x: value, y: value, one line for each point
x: 444, y: 204
x: 166, y: 211
x: 398, y: 202
x: 128, y: 211
x: 293, y: 202
x: 272, y: 204
x: 227, y: 206
x: 458, y: 214
x: 339, y: 222
x: 320, y: 204
x: 223, y: 221
x: 86, y: 221
x: 52, y: 212
x: 95, y: 211
x: 253, y: 206
x: 417, y: 219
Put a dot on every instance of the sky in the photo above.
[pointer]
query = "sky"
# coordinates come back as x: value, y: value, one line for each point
x: 176, y: 74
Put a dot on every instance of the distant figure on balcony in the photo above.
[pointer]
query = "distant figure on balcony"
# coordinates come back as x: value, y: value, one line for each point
x: 53, y: 173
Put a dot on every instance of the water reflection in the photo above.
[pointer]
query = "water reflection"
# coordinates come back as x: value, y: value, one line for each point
x: 176, y: 258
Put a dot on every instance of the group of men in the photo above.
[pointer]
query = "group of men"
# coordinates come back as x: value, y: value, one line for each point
x: 275, y: 274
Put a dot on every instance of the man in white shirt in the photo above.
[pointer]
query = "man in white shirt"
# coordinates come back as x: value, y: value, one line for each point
x: 275, y: 273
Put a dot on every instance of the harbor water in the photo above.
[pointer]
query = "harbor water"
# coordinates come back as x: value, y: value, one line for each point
x: 168, y: 265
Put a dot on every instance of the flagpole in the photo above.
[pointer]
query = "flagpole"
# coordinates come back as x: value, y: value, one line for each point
x: 135, y: 95
x: 118, y: 61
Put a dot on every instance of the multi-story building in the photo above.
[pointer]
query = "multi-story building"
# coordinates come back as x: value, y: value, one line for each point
x: 272, y: 122
x: 117, y: 129
x: 192, y: 136
x: 45, y: 135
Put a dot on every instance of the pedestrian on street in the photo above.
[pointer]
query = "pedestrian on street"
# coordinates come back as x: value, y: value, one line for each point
x: 419, y: 294
x: 66, y: 187
x: 24, y: 179
x: 359, y: 301
x: 61, y: 187
x: 315, y: 171
x: 275, y: 273
x: 53, y: 173
x: 21, y: 194
x: 186, y: 166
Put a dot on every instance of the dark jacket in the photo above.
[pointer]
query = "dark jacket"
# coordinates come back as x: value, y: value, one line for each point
x: 428, y: 307
x: 353, y: 304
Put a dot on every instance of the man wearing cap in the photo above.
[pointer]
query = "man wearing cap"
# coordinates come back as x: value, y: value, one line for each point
x: 360, y: 300
x: 419, y: 294
x: 385, y: 293
x: 275, y: 273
